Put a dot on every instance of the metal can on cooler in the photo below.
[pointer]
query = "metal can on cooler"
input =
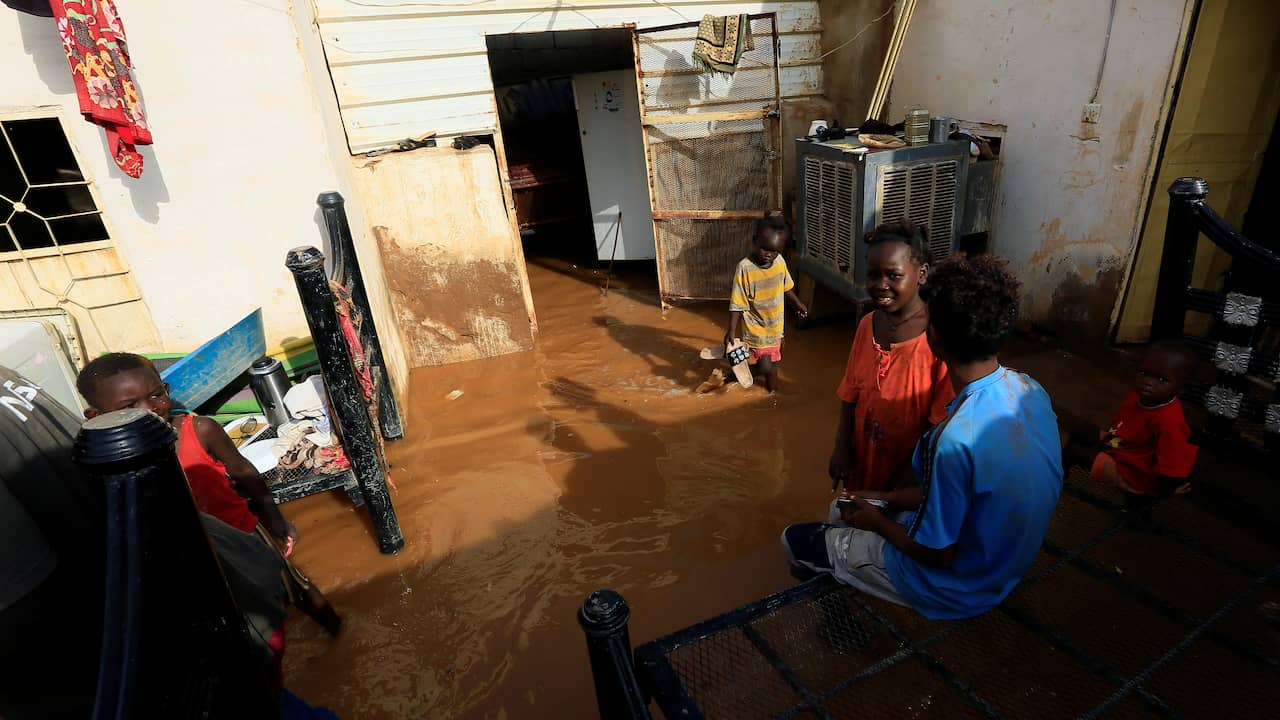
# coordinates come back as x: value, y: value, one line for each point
x: 270, y: 382
x: 916, y: 127
x: 940, y: 129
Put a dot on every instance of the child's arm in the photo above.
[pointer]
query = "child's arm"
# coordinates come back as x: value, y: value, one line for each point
x: 842, y: 455
x: 801, y: 309
x: 248, y: 481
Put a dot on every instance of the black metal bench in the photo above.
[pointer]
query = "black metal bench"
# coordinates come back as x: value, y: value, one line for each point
x: 1240, y: 397
x: 361, y: 423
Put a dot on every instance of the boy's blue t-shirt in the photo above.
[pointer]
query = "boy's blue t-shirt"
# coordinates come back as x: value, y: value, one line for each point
x: 991, y: 472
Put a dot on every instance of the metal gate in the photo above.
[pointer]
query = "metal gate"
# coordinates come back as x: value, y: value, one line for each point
x: 713, y: 148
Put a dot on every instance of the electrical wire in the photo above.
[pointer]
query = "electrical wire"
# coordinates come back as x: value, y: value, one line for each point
x: 1106, y: 46
x: 858, y: 34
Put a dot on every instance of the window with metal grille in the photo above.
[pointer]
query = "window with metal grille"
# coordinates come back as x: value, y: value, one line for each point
x: 925, y: 193
x: 45, y: 201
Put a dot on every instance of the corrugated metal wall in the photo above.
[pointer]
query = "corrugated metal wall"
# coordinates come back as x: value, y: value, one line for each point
x: 403, y: 68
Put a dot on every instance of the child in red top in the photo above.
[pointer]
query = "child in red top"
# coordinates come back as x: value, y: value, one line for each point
x: 223, y: 483
x: 894, y: 388
x: 1147, y: 450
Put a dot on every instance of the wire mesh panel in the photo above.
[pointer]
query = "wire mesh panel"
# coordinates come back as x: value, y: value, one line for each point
x: 713, y: 149
x: 694, y: 246
x: 1112, y: 621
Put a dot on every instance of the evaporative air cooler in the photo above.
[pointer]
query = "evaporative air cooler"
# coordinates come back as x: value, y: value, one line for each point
x: 845, y: 190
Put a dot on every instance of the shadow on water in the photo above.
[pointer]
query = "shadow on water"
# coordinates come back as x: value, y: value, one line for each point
x: 586, y: 463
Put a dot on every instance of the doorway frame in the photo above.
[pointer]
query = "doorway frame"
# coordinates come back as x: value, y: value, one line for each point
x: 504, y: 171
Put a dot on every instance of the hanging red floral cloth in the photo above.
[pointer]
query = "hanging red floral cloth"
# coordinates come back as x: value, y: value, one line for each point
x: 94, y: 42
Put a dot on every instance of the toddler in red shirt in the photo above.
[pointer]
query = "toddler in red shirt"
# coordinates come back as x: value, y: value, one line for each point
x: 1147, y: 450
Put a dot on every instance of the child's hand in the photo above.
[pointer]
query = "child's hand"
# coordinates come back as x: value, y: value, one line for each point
x: 802, y: 310
x: 283, y: 529
x: 864, y: 516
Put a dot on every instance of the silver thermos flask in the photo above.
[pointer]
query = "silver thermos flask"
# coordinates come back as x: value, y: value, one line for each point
x: 269, y: 382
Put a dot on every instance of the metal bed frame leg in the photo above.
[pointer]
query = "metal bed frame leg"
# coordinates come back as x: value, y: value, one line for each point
x: 603, y: 617
x: 174, y: 642
x: 351, y: 415
x: 332, y: 207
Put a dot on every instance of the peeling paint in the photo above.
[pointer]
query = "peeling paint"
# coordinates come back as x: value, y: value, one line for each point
x: 1072, y: 193
x: 451, y: 311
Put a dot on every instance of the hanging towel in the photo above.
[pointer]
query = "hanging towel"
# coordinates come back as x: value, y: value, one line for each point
x: 721, y: 42
x: 93, y: 40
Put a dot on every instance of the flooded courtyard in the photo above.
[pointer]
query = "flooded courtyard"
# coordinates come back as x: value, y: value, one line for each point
x: 587, y: 463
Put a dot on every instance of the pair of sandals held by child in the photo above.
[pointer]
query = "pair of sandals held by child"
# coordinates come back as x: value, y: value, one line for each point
x: 738, y: 356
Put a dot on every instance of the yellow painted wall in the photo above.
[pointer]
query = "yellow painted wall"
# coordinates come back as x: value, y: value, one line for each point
x: 1226, y: 108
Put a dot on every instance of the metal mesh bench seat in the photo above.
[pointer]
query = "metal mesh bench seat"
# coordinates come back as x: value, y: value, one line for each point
x: 1112, y: 621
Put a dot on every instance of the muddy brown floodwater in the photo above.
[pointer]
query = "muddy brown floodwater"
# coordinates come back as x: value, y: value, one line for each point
x: 586, y: 463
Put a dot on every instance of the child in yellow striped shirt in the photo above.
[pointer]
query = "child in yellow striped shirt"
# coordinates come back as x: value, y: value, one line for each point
x: 760, y: 283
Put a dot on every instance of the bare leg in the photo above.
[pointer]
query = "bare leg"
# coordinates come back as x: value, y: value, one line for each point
x: 770, y: 372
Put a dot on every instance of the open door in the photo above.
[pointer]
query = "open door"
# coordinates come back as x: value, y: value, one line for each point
x: 713, y: 149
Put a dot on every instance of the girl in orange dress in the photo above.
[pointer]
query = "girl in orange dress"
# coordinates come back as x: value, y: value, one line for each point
x: 894, y: 388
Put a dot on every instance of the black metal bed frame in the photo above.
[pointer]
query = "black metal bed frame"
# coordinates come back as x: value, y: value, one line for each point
x: 174, y: 642
x: 1237, y: 403
x: 361, y: 425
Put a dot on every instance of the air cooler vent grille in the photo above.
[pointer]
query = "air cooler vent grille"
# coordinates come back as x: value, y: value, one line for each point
x: 830, y: 207
x: 925, y: 193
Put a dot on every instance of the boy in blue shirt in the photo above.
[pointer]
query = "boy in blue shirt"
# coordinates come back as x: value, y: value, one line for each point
x: 990, y: 471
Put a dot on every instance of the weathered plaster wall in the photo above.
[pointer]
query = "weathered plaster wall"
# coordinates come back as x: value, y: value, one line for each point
x: 1072, y: 194
x: 242, y: 149
x: 849, y: 73
x: 439, y: 219
x: 227, y: 188
x: 335, y: 148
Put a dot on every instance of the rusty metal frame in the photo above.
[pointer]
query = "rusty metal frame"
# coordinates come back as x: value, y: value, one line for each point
x: 770, y: 114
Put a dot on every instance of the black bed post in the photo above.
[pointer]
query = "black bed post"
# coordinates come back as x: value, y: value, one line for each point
x: 351, y: 413
x: 603, y: 617
x: 1181, y: 234
x: 174, y: 643
x: 332, y: 207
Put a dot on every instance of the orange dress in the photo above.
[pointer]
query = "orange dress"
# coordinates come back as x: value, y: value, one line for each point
x: 898, y: 394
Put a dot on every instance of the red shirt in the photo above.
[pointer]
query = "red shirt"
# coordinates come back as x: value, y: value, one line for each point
x: 210, y: 486
x: 1149, y: 442
x: 897, y: 394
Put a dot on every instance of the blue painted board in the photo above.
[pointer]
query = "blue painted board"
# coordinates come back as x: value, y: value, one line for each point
x: 215, y: 364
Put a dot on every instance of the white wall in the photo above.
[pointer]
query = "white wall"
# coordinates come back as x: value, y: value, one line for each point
x: 1072, y: 194
x: 240, y: 154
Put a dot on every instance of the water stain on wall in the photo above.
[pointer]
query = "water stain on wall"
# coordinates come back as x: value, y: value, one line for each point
x: 453, y: 311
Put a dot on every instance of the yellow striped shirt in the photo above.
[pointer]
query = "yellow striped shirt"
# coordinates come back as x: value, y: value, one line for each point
x: 758, y: 294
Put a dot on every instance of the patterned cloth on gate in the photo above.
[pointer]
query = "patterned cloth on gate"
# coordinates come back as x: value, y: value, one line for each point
x: 93, y: 40
x: 721, y: 42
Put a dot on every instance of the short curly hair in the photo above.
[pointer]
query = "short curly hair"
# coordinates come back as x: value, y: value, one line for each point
x: 772, y: 223
x: 973, y: 306
x: 107, y: 366
x: 913, y: 235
